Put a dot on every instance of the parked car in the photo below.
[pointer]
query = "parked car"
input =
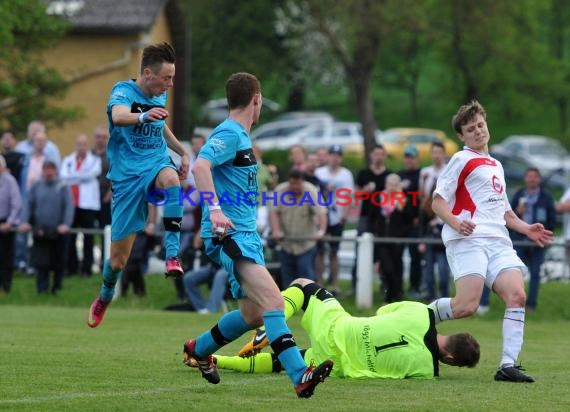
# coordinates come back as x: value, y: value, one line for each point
x: 312, y: 133
x: 269, y: 135
x: 515, y: 168
x: 545, y: 153
x: 395, y: 141
x: 304, y: 114
x: 216, y: 110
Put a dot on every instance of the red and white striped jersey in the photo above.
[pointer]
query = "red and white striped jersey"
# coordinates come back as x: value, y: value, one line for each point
x: 473, y: 184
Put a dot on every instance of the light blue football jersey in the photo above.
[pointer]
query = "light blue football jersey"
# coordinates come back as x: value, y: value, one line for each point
x: 234, y: 170
x: 137, y: 149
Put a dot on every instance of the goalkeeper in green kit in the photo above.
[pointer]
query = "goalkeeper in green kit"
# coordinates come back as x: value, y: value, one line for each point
x: 399, y: 342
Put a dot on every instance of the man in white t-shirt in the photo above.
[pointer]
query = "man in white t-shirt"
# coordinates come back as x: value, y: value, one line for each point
x: 563, y: 206
x: 470, y: 197
x: 431, y: 226
x: 338, y: 180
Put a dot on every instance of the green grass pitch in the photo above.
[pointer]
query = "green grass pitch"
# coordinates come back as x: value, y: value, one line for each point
x: 51, y: 361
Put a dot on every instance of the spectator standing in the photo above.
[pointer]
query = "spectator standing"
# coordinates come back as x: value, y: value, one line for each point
x: 393, y: 219
x: 31, y: 173
x: 48, y: 212
x: 334, y: 176
x: 101, y: 137
x: 431, y: 227
x: 216, y: 277
x: 10, y: 209
x: 14, y: 159
x: 563, y: 206
x: 533, y: 204
x: 371, y: 179
x: 298, y: 157
x: 292, y: 216
x: 81, y: 170
x: 410, y: 176
x: 267, y: 179
x: 27, y: 146
x: 322, y: 156
x: 310, y: 167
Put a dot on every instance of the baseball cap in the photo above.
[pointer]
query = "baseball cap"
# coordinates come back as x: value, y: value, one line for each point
x: 336, y: 149
x: 411, y: 150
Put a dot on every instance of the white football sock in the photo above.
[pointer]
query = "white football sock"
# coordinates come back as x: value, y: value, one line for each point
x: 442, y: 309
x: 513, y: 331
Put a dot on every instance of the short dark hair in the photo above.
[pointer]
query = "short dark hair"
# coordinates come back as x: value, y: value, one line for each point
x: 295, y: 174
x: 240, y: 89
x: 156, y: 54
x: 532, y: 169
x: 438, y: 144
x: 464, y: 349
x: 466, y: 113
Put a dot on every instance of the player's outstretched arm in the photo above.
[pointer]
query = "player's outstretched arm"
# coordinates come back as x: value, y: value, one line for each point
x: 535, y: 232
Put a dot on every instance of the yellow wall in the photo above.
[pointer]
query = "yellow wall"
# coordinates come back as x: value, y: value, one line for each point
x: 77, y: 55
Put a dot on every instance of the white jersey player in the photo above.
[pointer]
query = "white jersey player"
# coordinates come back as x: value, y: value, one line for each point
x: 470, y: 197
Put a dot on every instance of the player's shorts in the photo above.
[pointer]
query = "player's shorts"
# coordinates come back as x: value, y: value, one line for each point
x: 129, y: 206
x: 486, y: 257
x: 235, y: 247
x: 320, y: 317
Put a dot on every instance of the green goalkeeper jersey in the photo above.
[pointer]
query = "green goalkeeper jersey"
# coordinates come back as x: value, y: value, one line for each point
x: 399, y: 342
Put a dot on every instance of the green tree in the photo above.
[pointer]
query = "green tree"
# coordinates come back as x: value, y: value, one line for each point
x: 26, y: 84
x: 352, y: 32
x: 404, y: 50
x: 245, y: 40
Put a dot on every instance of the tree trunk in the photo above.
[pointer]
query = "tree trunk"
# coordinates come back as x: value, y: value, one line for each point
x: 471, y: 89
x: 365, y: 107
x: 296, y: 98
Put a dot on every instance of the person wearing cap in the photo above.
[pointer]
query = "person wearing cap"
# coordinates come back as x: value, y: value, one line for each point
x: 410, y: 175
x: 48, y: 213
x: 334, y: 176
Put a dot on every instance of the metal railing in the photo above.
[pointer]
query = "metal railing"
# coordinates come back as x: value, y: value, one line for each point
x: 364, y: 254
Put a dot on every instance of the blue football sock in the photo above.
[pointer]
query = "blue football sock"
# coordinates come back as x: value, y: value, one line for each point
x: 284, y: 345
x: 172, y: 220
x: 230, y: 327
x: 110, y: 279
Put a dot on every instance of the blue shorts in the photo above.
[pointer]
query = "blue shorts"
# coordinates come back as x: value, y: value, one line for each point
x: 129, y: 206
x: 235, y: 247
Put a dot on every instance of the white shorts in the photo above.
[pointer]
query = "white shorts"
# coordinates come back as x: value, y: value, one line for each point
x: 483, y: 256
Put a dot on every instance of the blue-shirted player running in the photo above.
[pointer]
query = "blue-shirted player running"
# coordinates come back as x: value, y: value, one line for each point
x: 140, y: 167
x: 226, y: 168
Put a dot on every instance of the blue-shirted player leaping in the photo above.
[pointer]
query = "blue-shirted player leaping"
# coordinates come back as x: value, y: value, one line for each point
x: 140, y: 163
x: 226, y: 167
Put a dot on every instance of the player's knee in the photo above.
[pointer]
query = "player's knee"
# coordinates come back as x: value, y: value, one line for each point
x: 465, y: 309
x: 515, y: 298
x: 253, y: 320
x: 117, y: 263
x: 301, y: 282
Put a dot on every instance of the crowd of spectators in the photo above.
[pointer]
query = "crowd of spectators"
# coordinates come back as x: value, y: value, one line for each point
x: 44, y: 196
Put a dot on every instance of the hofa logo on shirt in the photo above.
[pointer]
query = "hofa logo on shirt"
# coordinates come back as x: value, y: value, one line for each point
x: 497, y: 185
